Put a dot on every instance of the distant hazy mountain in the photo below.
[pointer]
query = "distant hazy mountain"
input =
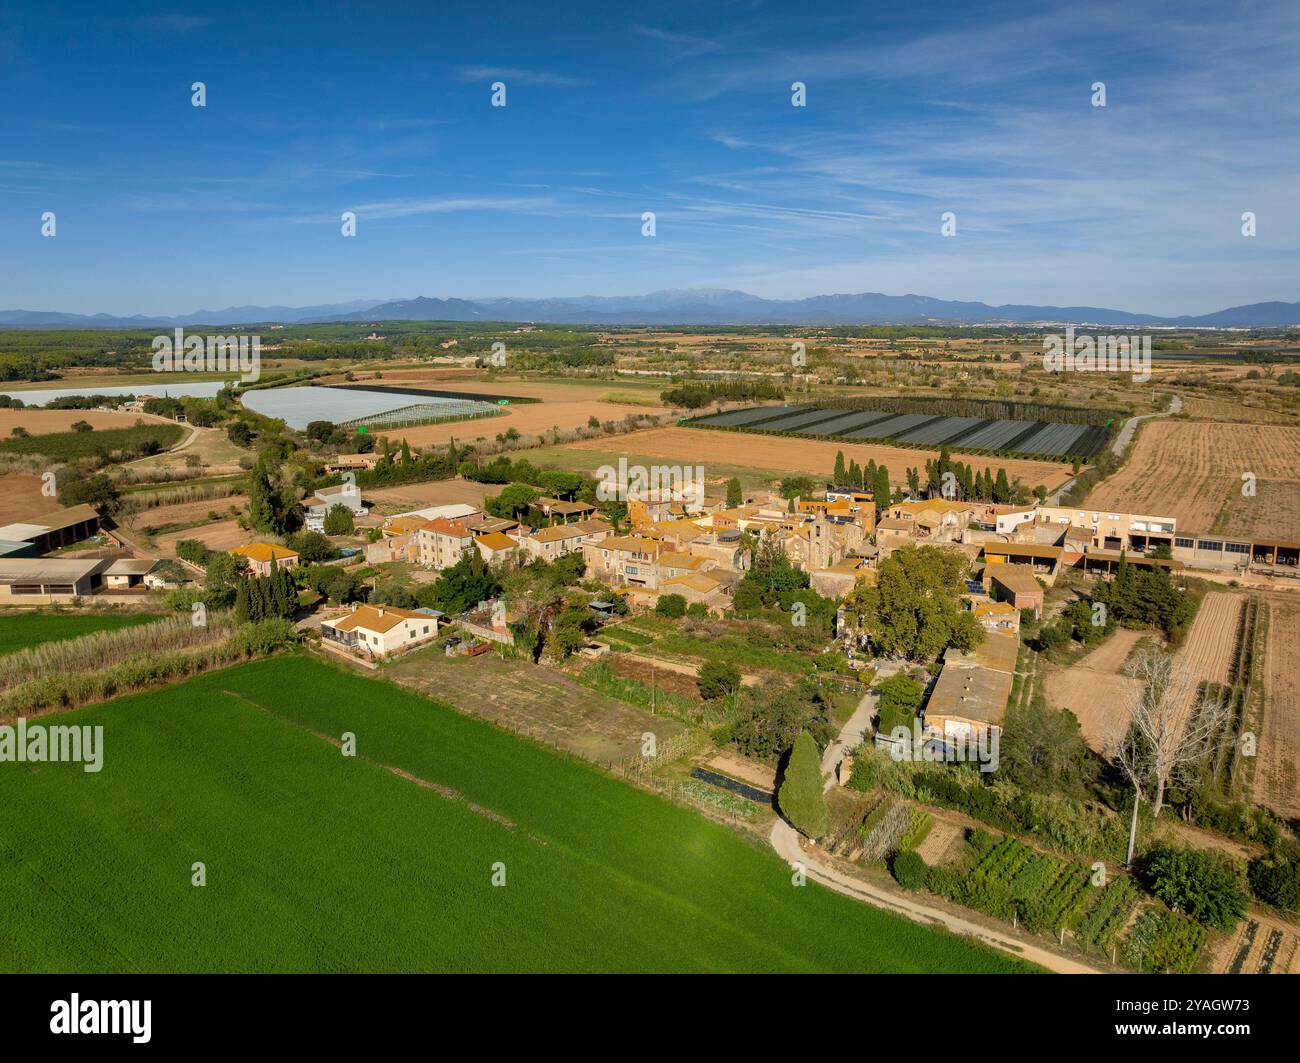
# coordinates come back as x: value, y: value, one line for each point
x: 710, y: 306
x: 690, y: 306
x: 231, y: 315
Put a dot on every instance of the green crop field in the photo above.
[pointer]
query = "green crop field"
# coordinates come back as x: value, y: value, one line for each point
x: 320, y: 862
x: 21, y: 630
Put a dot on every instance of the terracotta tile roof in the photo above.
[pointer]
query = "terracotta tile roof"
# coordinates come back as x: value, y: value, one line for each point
x: 442, y: 526
x: 700, y: 582
x: 264, y: 552
x: 497, y: 541
x: 1018, y: 579
x: 375, y: 618
x: 560, y: 532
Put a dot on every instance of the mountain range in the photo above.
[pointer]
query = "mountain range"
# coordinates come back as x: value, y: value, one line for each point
x: 689, y: 306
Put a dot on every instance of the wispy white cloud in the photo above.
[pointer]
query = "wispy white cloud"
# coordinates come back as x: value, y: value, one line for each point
x: 520, y: 76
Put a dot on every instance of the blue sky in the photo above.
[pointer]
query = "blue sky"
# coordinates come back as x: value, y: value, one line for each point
x: 913, y: 109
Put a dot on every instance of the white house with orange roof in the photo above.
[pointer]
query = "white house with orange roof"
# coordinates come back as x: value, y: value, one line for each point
x: 380, y: 630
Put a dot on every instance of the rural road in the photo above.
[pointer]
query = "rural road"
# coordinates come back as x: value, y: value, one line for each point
x: 785, y: 840
x: 854, y: 732
x: 1125, y: 436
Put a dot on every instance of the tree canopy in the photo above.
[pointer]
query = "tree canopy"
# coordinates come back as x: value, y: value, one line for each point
x: 915, y: 609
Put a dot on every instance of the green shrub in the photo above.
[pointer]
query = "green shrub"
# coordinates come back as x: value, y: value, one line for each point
x: 671, y: 606
x: 339, y: 521
x: 718, y: 679
x: 1204, y: 885
x: 909, y: 870
x: 1275, y: 879
x: 900, y: 697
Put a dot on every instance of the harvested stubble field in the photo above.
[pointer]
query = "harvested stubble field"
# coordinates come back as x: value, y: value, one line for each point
x: 779, y: 456
x: 475, y: 382
x: 1274, y: 510
x: 184, y: 512
x: 1223, y: 410
x: 21, y: 498
x: 1095, y: 687
x: 406, y: 497
x: 1277, y: 769
x: 1192, y: 471
x: 221, y: 535
x: 529, y: 419
x: 1211, y: 643
x: 385, y: 861
x: 211, y: 446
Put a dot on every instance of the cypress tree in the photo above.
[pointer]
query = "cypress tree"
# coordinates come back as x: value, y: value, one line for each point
x: 241, y: 601
x: 1001, y: 488
x: 257, y: 600
x: 734, y: 493
x: 801, y: 799
x: 840, y: 471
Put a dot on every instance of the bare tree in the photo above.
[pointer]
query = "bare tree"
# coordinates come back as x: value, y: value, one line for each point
x: 1166, y: 730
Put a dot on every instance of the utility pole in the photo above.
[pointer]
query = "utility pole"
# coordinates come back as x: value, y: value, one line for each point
x: 1133, y: 829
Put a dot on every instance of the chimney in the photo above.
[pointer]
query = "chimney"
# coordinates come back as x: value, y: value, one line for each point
x: 381, y: 610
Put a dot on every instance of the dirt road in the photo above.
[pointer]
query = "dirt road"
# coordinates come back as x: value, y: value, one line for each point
x: 785, y: 840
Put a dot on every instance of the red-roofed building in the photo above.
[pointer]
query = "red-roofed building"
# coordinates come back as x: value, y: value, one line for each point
x: 441, y: 543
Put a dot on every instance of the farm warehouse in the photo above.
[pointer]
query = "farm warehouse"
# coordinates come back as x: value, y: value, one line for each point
x: 384, y: 861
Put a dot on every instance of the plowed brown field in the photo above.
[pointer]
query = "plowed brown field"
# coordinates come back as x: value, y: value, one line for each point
x: 529, y: 419
x: 1277, y: 770
x: 808, y: 456
x: 1192, y: 471
x: 1095, y: 688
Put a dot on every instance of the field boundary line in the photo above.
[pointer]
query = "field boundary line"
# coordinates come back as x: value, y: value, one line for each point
x: 441, y: 789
